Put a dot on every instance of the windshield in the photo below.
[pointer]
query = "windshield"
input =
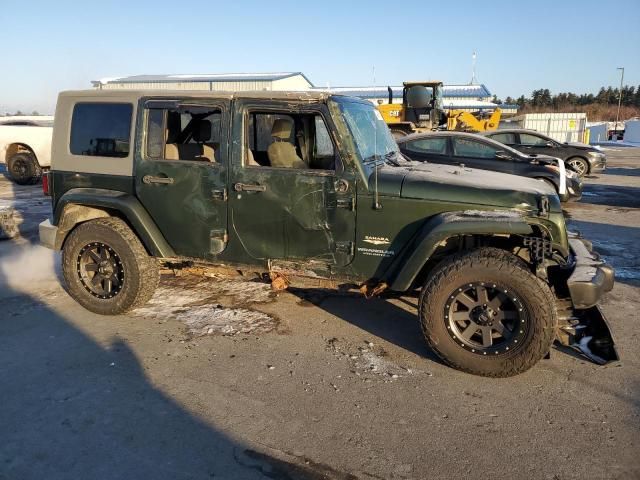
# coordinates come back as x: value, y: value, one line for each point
x: 373, y: 140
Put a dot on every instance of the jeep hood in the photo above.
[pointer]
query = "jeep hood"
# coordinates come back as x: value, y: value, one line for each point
x: 453, y: 184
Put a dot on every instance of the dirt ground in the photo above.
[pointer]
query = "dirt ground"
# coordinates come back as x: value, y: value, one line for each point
x: 227, y: 380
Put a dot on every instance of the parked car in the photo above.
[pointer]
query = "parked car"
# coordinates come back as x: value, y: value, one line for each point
x: 471, y: 150
x: 583, y: 158
x: 25, y: 146
x: 309, y: 188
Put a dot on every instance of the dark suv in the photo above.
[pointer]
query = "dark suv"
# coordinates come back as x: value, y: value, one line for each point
x: 310, y: 189
x: 583, y: 158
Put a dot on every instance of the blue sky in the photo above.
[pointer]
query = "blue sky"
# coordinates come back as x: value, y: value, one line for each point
x: 48, y: 46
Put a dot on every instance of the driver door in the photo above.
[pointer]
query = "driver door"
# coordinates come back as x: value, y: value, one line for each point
x: 302, y: 213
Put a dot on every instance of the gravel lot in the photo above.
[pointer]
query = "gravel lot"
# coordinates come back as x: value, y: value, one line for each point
x: 222, y: 379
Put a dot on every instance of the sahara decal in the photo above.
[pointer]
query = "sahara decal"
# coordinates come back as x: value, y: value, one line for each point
x: 376, y: 240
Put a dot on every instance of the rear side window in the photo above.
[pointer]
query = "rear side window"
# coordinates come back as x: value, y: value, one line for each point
x: 532, y: 140
x: 466, y: 147
x: 506, y: 138
x: 437, y: 146
x: 101, y: 129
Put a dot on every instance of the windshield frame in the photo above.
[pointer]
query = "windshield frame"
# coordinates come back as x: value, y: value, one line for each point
x: 366, y: 163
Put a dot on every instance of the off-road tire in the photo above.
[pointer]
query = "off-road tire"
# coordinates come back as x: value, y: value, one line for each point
x: 583, y: 169
x: 24, y: 169
x: 140, y: 271
x: 489, y: 265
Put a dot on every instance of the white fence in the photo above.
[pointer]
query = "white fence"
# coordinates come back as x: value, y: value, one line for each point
x: 563, y: 127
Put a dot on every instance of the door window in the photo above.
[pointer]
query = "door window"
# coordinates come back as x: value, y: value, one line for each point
x: 101, y: 129
x: 532, y: 140
x: 467, y: 147
x: 185, y: 133
x: 435, y: 146
x: 506, y: 138
x: 288, y: 140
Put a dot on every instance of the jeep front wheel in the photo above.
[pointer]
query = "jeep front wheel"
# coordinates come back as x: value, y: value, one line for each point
x: 484, y: 313
x: 106, y: 269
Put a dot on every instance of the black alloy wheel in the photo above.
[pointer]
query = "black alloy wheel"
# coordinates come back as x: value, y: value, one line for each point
x: 486, y: 319
x: 100, y: 270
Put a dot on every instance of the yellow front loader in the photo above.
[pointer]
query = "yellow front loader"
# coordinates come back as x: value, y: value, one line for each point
x: 421, y: 110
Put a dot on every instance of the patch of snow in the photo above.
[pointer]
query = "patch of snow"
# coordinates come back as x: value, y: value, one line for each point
x: 195, y: 301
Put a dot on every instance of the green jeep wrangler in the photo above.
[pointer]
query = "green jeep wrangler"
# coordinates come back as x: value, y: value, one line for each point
x: 310, y: 189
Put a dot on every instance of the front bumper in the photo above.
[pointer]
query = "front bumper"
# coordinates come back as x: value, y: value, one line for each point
x: 597, y: 164
x: 574, y: 190
x: 583, y: 326
x: 591, y: 277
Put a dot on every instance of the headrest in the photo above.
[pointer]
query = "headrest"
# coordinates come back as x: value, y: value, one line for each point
x: 202, y: 131
x: 282, y: 128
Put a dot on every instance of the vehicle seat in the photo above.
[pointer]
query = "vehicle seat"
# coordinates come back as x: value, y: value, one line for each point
x: 193, y: 151
x: 282, y: 153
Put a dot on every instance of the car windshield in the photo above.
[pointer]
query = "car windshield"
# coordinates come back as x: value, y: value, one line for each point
x: 373, y: 140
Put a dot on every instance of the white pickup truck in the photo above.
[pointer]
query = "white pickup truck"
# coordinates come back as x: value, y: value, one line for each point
x: 25, y: 146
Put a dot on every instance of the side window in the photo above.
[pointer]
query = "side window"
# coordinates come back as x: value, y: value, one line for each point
x: 466, y: 147
x: 436, y: 146
x: 506, y: 138
x: 101, y: 129
x: 187, y: 133
x: 288, y: 140
x: 532, y: 140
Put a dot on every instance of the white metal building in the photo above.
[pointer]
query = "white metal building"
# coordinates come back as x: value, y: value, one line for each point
x: 210, y: 82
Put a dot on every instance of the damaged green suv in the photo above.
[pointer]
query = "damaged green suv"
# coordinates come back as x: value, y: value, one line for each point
x: 310, y: 189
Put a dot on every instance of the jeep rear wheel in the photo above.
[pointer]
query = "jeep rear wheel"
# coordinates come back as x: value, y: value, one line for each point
x: 24, y: 169
x: 484, y: 313
x: 106, y: 268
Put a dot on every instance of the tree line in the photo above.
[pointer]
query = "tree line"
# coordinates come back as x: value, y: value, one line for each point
x: 600, y: 106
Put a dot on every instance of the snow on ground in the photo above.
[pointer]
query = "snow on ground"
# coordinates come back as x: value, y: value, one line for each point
x: 368, y: 359
x: 209, y: 306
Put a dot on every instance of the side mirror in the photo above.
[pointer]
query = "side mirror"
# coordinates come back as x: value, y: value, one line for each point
x: 503, y: 155
x: 550, y: 144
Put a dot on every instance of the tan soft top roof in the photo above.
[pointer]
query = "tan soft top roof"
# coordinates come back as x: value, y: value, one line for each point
x: 261, y: 94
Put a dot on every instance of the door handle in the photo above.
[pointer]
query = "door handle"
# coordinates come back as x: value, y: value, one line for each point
x: 149, y: 179
x: 245, y: 187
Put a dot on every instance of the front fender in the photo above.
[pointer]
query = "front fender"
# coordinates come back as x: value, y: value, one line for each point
x: 66, y: 216
x: 446, y: 225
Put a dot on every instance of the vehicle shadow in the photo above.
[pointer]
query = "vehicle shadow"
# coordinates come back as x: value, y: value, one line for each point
x: 619, y: 245
x: 625, y: 172
x: 377, y: 316
x: 611, y: 195
x: 73, y: 408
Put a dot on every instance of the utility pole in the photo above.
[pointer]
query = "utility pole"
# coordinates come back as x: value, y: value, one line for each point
x: 473, y: 68
x: 619, y: 97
